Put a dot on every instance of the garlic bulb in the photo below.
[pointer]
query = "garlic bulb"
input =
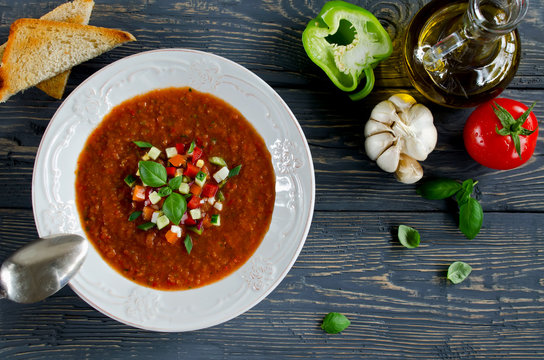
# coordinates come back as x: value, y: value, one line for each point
x: 399, y: 133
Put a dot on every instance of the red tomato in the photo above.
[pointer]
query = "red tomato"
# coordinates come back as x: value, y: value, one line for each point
x: 491, y: 149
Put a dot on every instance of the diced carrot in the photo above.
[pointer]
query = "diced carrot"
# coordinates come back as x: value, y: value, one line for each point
x: 195, y: 189
x: 171, y: 237
x: 147, y: 213
x: 138, y: 193
x: 178, y: 160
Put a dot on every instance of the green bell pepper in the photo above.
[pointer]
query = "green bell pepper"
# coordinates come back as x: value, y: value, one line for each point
x: 347, y: 42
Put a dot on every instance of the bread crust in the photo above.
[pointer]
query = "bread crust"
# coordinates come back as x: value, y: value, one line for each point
x: 40, y: 49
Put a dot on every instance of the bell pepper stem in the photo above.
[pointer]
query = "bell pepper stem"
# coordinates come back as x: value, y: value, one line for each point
x: 370, y: 79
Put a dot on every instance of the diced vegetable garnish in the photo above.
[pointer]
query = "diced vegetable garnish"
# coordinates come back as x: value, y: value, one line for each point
x: 171, y: 152
x: 195, y: 189
x: 146, y: 226
x: 235, y: 171
x: 171, y: 171
x: 191, y: 170
x: 162, y: 221
x: 216, y: 160
x: 138, y: 193
x: 184, y: 188
x: 154, y: 153
x: 154, y: 197
x: 171, y: 237
x: 177, y: 160
x: 145, y: 157
x: 209, y: 190
x: 195, y: 213
x: 200, y: 178
x: 194, y: 202
x: 221, y: 174
x: 147, y: 213
x: 216, y: 220
x: 130, y: 180
x: 181, y: 194
x: 134, y: 215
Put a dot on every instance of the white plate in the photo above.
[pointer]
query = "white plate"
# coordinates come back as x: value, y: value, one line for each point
x: 53, y: 190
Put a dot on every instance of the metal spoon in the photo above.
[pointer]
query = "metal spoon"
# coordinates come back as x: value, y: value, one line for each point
x: 41, y: 268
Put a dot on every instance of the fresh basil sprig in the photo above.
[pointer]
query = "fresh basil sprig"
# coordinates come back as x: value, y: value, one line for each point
x: 408, y: 236
x: 152, y: 173
x: 174, y: 207
x: 458, y: 271
x: 335, y: 322
x: 175, y: 182
x: 471, y: 214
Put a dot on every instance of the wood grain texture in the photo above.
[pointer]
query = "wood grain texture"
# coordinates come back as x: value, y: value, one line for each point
x: 398, y: 300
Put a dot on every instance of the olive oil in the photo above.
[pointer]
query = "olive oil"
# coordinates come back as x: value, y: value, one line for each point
x: 480, y: 66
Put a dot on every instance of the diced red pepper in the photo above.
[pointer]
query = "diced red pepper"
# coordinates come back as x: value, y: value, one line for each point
x: 209, y: 190
x: 180, y: 147
x: 197, y: 154
x: 191, y: 170
x: 194, y: 202
x: 171, y: 171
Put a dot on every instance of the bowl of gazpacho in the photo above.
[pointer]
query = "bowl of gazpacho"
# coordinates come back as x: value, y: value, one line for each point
x: 191, y: 178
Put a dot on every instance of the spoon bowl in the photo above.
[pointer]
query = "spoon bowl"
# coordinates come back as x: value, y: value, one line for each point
x: 42, y: 267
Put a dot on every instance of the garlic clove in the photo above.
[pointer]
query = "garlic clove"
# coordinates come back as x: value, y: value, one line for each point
x: 389, y: 160
x: 376, y: 144
x: 409, y: 170
x: 385, y: 112
x: 373, y: 127
x: 402, y: 102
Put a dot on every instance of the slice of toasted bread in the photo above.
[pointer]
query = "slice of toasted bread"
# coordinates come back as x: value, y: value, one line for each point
x: 78, y: 12
x: 40, y: 49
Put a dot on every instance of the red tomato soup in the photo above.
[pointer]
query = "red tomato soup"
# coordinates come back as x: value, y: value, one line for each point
x: 200, y: 221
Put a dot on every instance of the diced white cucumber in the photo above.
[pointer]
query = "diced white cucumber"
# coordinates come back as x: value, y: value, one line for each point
x: 154, y: 197
x: 179, y: 172
x: 195, y: 214
x: 200, y: 163
x: 155, y: 216
x: 184, y: 188
x: 211, y: 200
x: 162, y: 221
x: 154, y: 153
x: 171, y: 152
x: 221, y: 174
x: 145, y: 157
x: 218, y: 205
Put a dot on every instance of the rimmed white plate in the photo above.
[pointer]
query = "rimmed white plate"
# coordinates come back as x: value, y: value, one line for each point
x: 53, y: 190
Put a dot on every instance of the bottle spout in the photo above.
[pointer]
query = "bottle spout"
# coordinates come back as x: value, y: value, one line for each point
x: 433, y: 56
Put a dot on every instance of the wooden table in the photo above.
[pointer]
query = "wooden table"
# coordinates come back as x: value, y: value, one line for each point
x: 398, y: 300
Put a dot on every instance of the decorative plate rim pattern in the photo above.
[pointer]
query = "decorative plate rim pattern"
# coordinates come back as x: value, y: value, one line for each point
x: 53, y: 193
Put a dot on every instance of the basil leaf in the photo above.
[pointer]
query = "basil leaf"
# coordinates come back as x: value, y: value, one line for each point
x: 146, y: 226
x: 164, y: 191
x: 463, y: 195
x: 438, y: 189
x: 188, y: 244
x: 471, y: 217
x: 152, y: 173
x: 335, y: 322
x: 235, y: 171
x: 408, y: 237
x: 134, y: 215
x: 143, y: 144
x: 174, y: 183
x: 458, y: 271
x: 174, y: 207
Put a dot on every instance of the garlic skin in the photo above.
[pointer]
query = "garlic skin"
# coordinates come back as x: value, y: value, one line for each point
x: 399, y: 133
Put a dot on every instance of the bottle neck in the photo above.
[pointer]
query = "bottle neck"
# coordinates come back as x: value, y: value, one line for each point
x: 491, y: 19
